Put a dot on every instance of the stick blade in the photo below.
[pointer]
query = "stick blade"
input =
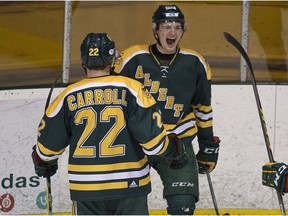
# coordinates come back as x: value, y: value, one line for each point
x: 227, y: 35
x: 234, y: 42
x: 239, y: 47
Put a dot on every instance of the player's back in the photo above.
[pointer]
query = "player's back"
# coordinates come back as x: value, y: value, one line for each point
x: 106, y: 118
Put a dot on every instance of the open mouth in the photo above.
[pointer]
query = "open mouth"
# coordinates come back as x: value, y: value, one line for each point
x: 170, y: 41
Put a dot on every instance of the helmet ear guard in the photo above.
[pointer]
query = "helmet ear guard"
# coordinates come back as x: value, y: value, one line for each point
x: 154, y: 26
x: 97, y: 51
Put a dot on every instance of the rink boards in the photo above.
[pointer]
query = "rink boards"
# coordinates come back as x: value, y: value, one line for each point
x: 236, y: 179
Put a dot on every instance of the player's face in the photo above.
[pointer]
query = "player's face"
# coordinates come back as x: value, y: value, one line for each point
x: 169, y: 34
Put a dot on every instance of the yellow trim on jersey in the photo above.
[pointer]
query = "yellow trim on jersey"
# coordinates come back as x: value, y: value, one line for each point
x: 47, y: 151
x: 169, y: 126
x: 145, y: 181
x: 155, y: 58
x: 128, y: 54
x: 95, y: 187
x: 74, y: 207
x: 108, y: 167
x: 144, y: 98
x: 189, y: 133
x: 155, y: 141
x: 175, y: 55
x: 202, y: 59
x: 191, y: 115
x: 203, y: 108
x: 206, y: 111
x: 205, y: 124
x: 210, y: 211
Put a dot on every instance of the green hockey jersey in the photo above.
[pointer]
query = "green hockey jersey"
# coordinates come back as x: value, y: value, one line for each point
x: 182, y: 88
x: 110, y: 124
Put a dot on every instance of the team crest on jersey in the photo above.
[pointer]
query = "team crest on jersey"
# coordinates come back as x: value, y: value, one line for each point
x: 146, y: 92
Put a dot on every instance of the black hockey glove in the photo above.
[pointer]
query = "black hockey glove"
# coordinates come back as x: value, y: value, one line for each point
x: 207, y: 155
x: 275, y: 175
x: 43, y: 168
x: 178, y: 157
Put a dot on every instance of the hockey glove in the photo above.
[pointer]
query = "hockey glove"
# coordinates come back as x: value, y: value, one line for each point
x: 43, y: 168
x: 207, y: 155
x: 178, y: 158
x: 275, y: 175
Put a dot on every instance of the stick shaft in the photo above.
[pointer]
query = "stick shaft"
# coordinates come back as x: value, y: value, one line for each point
x: 48, y: 177
x: 49, y: 195
x: 212, y: 193
x: 239, y: 47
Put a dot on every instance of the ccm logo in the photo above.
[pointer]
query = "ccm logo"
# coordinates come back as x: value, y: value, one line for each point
x: 277, y: 177
x: 182, y: 184
x: 211, y: 150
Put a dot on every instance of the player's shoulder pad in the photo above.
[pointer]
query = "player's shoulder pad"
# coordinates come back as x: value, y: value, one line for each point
x: 57, y: 103
x: 201, y: 59
x: 128, y: 54
x: 135, y: 50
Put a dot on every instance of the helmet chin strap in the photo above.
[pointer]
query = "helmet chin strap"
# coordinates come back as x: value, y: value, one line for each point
x: 85, y: 69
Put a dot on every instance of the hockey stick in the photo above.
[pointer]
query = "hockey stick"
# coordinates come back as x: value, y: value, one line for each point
x: 48, y: 177
x: 238, y: 46
x: 212, y: 193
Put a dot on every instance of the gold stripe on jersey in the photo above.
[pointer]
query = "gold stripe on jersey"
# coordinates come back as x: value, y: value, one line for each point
x: 150, y: 50
x: 134, y: 87
x: 205, y: 124
x: 185, y: 127
x: 151, y: 144
x: 47, y: 151
x: 203, y: 108
x: 175, y: 55
x: 204, y: 116
x: 103, y: 176
x: 100, y: 186
x: 144, y: 181
x: 74, y: 208
x: 202, y: 60
x: 108, y: 167
x: 190, y: 132
x: 191, y: 116
x: 129, y: 54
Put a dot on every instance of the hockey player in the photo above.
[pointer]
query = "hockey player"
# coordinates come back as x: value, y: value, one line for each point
x: 110, y: 124
x: 180, y: 81
x: 275, y: 175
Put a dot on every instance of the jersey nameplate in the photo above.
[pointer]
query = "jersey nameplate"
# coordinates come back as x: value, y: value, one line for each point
x: 96, y: 97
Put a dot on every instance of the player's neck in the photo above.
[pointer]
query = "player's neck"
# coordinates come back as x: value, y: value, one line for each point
x: 97, y: 73
x: 164, y: 59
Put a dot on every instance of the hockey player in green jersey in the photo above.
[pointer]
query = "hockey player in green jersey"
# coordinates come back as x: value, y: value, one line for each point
x: 110, y: 123
x: 180, y: 81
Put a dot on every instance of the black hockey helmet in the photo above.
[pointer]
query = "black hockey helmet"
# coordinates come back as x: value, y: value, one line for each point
x: 97, y: 51
x: 168, y: 13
